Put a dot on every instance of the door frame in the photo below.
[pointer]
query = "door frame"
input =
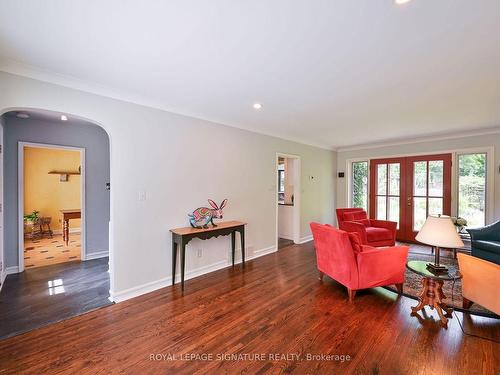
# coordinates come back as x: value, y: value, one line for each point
x: 447, y: 188
x: 20, y: 194
x: 405, y: 231
x: 296, y: 195
x: 372, y: 195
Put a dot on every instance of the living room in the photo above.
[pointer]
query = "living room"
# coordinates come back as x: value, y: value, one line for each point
x: 199, y: 100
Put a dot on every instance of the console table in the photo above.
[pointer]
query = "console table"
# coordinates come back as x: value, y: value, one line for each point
x: 181, y: 237
x: 67, y: 215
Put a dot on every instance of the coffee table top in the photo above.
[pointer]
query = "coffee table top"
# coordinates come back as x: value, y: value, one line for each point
x: 420, y: 267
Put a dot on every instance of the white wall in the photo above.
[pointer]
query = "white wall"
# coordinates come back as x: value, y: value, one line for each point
x: 180, y: 162
x: 446, y: 145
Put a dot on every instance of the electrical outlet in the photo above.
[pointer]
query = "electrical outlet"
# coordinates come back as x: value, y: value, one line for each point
x: 199, y: 253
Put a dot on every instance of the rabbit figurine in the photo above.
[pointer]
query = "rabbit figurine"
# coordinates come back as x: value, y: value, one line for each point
x: 204, y: 215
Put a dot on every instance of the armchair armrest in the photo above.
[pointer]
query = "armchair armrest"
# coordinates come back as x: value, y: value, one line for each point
x: 392, y: 225
x: 489, y: 232
x: 352, y: 226
x: 382, y: 266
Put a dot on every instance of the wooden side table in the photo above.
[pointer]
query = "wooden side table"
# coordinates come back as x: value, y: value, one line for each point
x: 432, y: 294
x: 182, y: 236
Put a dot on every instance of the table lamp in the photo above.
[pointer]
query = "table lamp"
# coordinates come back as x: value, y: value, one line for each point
x: 439, y: 231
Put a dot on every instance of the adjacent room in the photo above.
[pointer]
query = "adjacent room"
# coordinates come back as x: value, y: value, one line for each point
x: 250, y: 187
x: 288, y: 169
x: 52, y: 195
x: 56, y: 203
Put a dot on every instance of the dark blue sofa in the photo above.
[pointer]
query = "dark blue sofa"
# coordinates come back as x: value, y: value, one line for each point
x: 485, y: 242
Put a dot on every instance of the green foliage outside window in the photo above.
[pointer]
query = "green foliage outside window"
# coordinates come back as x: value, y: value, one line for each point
x: 472, y: 188
x: 360, y: 184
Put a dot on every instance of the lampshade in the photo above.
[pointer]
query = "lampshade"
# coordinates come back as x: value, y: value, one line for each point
x: 439, y: 231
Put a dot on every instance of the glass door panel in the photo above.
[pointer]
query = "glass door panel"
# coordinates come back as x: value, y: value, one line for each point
x: 385, y: 182
x: 430, y: 180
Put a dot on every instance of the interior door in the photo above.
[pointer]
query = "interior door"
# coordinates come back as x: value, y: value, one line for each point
x: 408, y: 189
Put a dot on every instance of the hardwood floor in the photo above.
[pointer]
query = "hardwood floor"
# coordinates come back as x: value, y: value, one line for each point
x: 40, y: 296
x: 276, y: 307
x: 282, y: 243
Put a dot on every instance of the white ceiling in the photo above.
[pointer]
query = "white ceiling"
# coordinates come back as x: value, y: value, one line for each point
x: 328, y: 72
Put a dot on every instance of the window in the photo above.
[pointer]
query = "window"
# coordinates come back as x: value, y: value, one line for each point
x: 472, y: 188
x: 359, y: 188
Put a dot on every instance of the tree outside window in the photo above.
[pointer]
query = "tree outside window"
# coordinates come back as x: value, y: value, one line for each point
x: 472, y: 188
x: 359, y: 197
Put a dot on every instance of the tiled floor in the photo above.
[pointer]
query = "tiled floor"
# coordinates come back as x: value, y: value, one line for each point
x: 47, y: 251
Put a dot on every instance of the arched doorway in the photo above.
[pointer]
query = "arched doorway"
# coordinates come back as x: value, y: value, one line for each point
x: 72, y: 254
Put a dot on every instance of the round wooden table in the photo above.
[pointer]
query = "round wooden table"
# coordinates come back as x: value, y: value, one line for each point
x: 432, y: 294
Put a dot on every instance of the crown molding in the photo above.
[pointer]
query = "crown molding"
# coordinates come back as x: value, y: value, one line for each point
x: 427, y: 138
x: 25, y: 70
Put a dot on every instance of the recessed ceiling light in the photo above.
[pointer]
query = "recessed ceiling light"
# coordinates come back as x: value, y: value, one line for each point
x: 257, y: 106
x: 64, y: 118
x: 22, y: 115
x: 401, y: 1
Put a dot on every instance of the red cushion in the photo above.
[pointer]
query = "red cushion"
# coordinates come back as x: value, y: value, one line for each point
x: 355, y: 215
x: 374, y: 234
x: 358, y: 216
x: 356, y: 244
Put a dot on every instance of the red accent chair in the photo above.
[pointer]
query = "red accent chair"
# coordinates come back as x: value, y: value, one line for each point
x: 344, y: 258
x: 372, y: 232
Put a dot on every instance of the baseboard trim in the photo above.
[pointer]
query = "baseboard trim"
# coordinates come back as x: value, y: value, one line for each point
x: 3, y: 275
x: 306, y: 239
x: 72, y: 230
x: 285, y: 236
x: 264, y: 251
x: 11, y: 270
x: 167, y: 281
x: 97, y: 255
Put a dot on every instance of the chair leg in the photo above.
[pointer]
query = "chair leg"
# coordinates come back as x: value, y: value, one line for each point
x: 352, y: 294
x: 466, y: 304
x: 321, y: 274
x: 399, y: 287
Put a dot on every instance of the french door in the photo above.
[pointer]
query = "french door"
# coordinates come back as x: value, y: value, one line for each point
x: 408, y: 189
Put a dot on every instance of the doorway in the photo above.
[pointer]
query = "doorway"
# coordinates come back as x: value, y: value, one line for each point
x: 51, y: 204
x: 408, y: 189
x: 40, y: 293
x: 287, y: 200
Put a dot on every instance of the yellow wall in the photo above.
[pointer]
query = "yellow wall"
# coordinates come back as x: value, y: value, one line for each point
x: 44, y: 192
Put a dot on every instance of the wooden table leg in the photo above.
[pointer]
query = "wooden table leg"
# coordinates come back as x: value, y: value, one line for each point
x: 66, y: 231
x: 242, y: 236
x: 174, y: 259
x: 233, y: 244
x: 183, y: 262
x: 432, y: 295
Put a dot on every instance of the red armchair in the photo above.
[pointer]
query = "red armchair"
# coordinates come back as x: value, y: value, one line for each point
x: 344, y: 258
x: 371, y: 232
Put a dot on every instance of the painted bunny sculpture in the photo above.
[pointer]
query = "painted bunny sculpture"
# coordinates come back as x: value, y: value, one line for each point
x: 204, y: 215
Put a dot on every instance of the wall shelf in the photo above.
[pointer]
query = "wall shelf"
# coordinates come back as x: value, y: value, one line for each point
x: 64, y: 175
x: 65, y: 172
